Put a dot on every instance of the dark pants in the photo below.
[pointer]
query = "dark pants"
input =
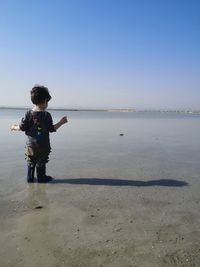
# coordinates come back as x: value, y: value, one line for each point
x: 37, y: 157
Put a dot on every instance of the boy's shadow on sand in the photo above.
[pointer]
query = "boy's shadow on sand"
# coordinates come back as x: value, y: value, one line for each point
x: 120, y: 182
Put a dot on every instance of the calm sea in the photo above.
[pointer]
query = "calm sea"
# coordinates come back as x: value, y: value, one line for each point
x: 138, y: 146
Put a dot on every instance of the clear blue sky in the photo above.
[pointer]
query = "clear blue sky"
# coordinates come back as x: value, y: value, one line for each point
x: 101, y: 53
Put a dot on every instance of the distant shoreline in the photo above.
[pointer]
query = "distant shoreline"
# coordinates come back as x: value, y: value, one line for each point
x: 54, y: 109
x: 110, y: 110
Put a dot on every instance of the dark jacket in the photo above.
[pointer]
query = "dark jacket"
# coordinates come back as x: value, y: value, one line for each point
x: 37, y: 125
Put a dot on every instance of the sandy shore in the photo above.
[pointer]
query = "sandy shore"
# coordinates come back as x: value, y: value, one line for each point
x: 130, y: 201
x: 100, y: 222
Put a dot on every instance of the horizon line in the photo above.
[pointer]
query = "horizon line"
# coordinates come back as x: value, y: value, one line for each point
x: 187, y: 110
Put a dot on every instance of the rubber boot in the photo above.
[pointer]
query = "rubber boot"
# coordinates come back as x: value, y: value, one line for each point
x: 41, y: 175
x: 30, y: 173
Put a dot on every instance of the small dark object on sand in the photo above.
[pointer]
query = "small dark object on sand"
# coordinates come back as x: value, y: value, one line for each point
x: 38, y: 207
x: 121, y: 134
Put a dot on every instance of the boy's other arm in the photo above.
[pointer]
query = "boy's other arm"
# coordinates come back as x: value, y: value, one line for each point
x: 23, y: 125
x: 60, y: 123
x: 15, y: 127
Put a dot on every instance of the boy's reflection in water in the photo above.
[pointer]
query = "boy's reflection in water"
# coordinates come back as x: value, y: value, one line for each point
x: 38, y: 235
x: 37, y: 197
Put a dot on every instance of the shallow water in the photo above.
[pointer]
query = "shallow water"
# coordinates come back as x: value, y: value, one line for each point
x: 153, y: 146
x: 130, y: 200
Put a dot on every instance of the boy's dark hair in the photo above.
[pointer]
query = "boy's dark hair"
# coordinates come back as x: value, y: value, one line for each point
x: 39, y: 94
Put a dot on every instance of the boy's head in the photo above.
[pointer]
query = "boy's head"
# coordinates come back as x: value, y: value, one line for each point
x: 40, y: 95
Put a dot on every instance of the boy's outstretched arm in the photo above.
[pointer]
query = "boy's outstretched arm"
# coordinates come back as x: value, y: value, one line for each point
x: 60, y: 123
x: 15, y: 127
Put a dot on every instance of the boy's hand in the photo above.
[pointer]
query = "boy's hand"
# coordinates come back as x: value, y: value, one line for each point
x: 64, y: 120
x: 14, y: 127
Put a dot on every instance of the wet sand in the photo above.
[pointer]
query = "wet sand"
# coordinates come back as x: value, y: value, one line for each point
x: 130, y: 201
x: 102, y: 222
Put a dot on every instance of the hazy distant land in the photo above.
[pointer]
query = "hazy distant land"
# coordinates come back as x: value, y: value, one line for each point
x: 108, y: 109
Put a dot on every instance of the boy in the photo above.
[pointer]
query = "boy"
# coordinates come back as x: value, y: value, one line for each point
x: 37, y: 124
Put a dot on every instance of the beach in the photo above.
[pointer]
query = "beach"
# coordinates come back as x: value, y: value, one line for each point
x: 126, y: 200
